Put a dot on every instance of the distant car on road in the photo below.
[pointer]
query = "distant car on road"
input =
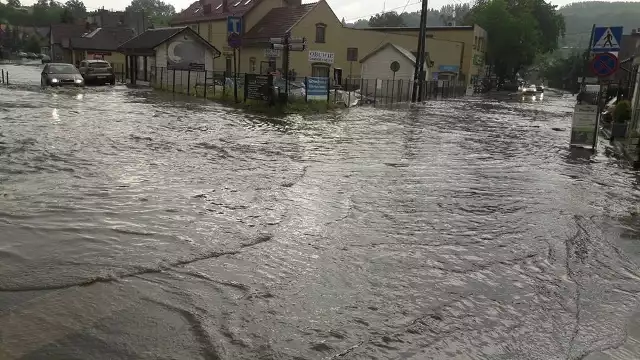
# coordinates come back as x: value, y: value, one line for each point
x: 31, y: 55
x: 45, y: 58
x: 97, y: 72
x: 59, y: 74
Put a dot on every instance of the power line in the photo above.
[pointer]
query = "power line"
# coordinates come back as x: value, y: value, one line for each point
x: 392, y: 9
x: 403, y: 7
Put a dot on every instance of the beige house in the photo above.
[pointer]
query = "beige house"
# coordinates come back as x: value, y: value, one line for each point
x: 378, y: 68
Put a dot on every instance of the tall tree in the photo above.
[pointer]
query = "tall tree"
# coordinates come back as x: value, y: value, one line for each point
x: 66, y: 17
x: 515, y: 31
x: 158, y: 11
x: 387, y: 19
x: 76, y: 8
x: 14, y: 4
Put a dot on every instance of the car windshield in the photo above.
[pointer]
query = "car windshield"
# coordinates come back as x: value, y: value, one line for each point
x: 99, y: 65
x: 62, y: 69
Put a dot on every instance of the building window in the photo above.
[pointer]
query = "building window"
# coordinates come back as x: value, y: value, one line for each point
x: 321, y: 30
x: 252, y: 65
x: 194, y: 27
x: 210, y: 32
x: 320, y: 70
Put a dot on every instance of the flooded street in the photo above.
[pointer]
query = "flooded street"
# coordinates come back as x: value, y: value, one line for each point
x: 136, y: 226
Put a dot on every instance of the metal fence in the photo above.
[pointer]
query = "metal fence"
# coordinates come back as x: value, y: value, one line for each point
x: 376, y: 92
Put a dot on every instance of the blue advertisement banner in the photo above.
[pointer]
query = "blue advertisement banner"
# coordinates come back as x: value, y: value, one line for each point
x: 317, y: 88
x: 449, y: 68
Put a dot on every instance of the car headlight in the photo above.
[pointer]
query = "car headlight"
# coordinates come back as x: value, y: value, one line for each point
x: 54, y: 80
x: 78, y: 81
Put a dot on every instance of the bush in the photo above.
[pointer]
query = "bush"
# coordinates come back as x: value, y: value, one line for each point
x: 622, y: 112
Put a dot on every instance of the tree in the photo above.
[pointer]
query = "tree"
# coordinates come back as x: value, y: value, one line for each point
x: 158, y: 11
x: 32, y: 45
x: 77, y: 8
x: 66, y: 17
x: 14, y: 4
x: 387, y: 19
x: 516, y: 36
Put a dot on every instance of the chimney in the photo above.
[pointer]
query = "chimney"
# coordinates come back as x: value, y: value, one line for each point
x: 225, y: 6
x: 206, y: 9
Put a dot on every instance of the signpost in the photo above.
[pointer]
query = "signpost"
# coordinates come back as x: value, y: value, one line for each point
x: 234, y: 40
x: 604, y: 64
x: 606, y: 39
x: 258, y: 87
x: 394, y: 66
x: 603, y: 45
x: 287, y: 44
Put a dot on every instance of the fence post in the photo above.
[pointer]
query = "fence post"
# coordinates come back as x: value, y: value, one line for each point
x: 375, y: 91
x: 306, y: 89
x: 3, y: 76
x: 205, y: 84
x: 7, y: 78
x: 400, y: 90
x: 161, y: 78
x: 189, y: 82
x: 174, y: 82
x: 328, y: 90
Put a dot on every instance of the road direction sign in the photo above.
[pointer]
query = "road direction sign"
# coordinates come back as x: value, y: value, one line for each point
x: 604, y: 64
x: 395, y: 66
x: 606, y: 39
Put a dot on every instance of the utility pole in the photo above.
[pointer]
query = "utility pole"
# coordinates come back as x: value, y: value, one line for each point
x: 418, y: 73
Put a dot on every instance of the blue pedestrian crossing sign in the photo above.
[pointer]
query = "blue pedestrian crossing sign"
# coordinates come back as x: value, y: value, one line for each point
x: 606, y: 39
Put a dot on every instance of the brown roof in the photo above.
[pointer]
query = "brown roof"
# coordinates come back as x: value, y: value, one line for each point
x: 60, y: 32
x: 196, y: 11
x: 278, y: 21
x: 103, y: 39
x: 150, y: 39
x: 404, y: 52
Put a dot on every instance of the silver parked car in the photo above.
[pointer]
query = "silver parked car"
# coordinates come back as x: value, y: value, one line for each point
x: 59, y: 74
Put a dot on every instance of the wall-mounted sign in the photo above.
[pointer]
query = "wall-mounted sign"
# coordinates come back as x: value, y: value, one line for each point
x: 449, y: 68
x: 321, y: 56
x: 272, y: 53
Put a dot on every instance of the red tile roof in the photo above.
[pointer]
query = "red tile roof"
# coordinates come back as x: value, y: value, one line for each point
x: 196, y: 12
x: 278, y: 21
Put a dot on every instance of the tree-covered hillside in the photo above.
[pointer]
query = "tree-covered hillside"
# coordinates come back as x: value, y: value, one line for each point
x: 579, y: 17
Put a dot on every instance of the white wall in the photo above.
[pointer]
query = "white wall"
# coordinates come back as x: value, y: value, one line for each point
x: 182, y: 78
x: 378, y: 77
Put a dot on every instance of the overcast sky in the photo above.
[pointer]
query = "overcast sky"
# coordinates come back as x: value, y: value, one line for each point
x: 351, y: 10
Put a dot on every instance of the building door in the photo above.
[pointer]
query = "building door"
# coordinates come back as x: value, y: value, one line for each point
x: 229, y: 67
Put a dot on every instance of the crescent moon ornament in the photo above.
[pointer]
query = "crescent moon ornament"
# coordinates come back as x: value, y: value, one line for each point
x: 171, y: 52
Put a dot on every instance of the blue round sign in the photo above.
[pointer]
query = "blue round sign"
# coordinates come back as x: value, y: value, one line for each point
x: 234, y: 40
x: 604, y: 64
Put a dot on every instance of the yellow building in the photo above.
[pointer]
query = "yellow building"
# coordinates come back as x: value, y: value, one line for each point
x: 451, y: 50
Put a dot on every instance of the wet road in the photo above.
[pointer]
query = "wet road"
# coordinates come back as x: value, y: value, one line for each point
x: 133, y: 226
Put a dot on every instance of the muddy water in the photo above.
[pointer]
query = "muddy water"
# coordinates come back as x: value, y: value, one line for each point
x: 138, y: 226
